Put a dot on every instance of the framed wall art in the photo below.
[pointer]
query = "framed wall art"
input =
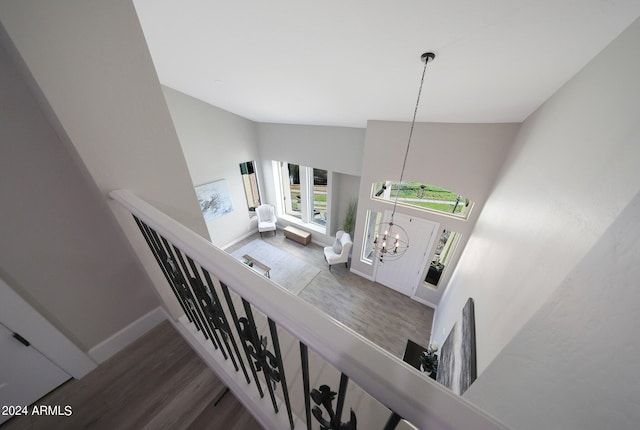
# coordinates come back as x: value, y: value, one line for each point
x: 457, y: 363
x: 214, y: 199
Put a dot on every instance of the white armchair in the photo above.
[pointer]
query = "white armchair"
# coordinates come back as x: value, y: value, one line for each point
x: 266, y: 219
x: 339, y: 252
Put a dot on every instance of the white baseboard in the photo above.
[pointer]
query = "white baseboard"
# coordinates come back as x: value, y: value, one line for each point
x: 362, y: 275
x: 243, y: 237
x: 320, y: 244
x: 424, y: 302
x: 118, y: 341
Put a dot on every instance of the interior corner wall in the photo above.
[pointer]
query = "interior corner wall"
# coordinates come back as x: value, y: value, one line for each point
x: 89, y: 66
x: 348, y: 186
x: 465, y: 158
x: 572, y: 170
x: 337, y: 149
x: 61, y: 249
x: 92, y: 67
x: 214, y: 143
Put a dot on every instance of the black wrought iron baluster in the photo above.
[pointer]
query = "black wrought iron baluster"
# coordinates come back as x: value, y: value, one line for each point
x: 201, y: 295
x: 176, y: 276
x: 206, y: 303
x: 324, y: 396
x: 200, y: 302
x: 181, y: 282
x: 161, y: 260
x: 283, y: 380
x: 236, y: 321
x: 219, y: 311
x: 190, y: 288
x: 342, y: 391
x: 264, y: 360
x: 393, y: 421
x: 306, y: 386
x: 184, y: 289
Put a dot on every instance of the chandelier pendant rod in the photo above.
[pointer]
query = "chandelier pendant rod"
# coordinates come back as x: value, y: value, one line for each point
x: 426, y: 57
x: 392, y: 233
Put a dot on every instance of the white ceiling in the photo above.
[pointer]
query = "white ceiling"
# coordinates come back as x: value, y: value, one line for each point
x: 343, y: 62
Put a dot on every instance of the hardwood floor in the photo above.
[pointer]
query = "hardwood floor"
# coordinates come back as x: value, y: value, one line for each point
x: 158, y: 382
x: 380, y: 314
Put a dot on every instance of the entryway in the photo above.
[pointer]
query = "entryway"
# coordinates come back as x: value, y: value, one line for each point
x: 404, y: 274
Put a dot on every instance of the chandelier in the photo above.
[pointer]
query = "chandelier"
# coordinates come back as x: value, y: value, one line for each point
x: 391, y: 240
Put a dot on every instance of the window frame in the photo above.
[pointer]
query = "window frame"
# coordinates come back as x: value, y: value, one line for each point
x: 247, y: 191
x: 305, y: 215
x: 382, y: 193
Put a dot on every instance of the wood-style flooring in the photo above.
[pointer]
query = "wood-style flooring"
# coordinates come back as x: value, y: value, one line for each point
x: 380, y: 314
x: 157, y: 382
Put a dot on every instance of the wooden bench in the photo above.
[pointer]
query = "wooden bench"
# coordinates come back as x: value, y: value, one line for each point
x: 300, y: 236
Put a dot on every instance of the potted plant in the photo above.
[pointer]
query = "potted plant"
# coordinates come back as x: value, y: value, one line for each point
x: 429, y: 360
x: 350, y: 220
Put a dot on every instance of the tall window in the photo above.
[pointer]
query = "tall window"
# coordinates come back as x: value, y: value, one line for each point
x: 250, y: 183
x: 442, y: 256
x: 319, y: 197
x: 291, y: 190
x: 304, y: 192
x: 373, y: 219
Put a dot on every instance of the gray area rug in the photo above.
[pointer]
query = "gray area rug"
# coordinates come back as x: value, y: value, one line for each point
x: 286, y: 270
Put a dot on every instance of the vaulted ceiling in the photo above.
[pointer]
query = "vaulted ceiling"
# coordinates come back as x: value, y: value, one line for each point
x: 343, y: 62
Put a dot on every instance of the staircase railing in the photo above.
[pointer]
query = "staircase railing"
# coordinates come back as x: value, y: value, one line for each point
x: 282, y: 357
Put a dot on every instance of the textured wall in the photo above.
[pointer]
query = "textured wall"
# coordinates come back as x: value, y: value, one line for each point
x: 574, y: 365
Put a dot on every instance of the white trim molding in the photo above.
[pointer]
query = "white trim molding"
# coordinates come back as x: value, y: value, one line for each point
x: 424, y: 302
x: 120, y: 340
x: 243, y: 237
x: 362, y: 275
x: 20, y: 317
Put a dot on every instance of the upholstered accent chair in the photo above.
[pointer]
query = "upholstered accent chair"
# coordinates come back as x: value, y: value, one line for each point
x: 266, y: 219
x: 339, y: 251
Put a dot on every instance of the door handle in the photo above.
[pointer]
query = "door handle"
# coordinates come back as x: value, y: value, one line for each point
x: 21, y: 339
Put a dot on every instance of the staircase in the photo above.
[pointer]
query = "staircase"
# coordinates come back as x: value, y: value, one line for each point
x: 291, y: 365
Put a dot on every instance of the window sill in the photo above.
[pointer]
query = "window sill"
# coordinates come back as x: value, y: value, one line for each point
x: 314, y: 228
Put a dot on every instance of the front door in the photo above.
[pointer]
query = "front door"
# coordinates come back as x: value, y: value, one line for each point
x: 404, y: 274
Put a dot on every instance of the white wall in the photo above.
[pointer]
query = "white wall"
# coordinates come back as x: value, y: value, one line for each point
x: 90, y: 66
x: 573, y: 169
x: 574, y: 365
x: 61, y: 248
x: 214, y: 143
x: 338, y: 149
x: 463, y: 158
